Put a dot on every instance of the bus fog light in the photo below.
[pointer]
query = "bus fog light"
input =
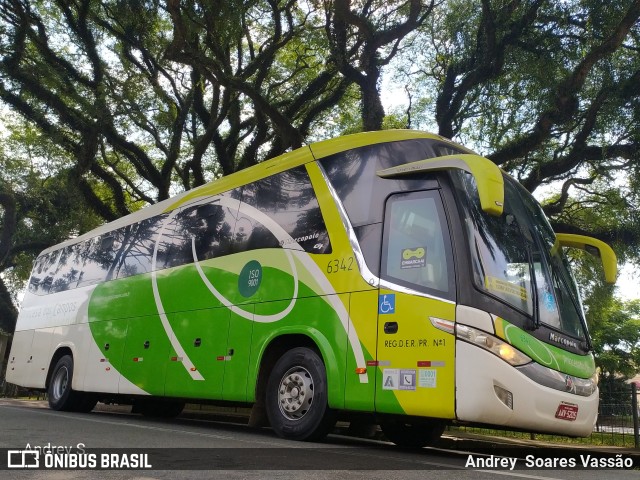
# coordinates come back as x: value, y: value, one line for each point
x: 504, y: 395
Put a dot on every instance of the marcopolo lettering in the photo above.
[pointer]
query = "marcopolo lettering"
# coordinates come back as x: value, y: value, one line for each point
x: 287, y: 241
x: 554, y: 337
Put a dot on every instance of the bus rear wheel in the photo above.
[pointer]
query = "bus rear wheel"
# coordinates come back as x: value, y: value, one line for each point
x: 412, y: 435
x: 61, y: 396
x: 297, y: 398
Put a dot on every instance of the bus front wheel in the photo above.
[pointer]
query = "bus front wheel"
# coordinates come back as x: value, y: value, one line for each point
x: 61, y: 396
x: 412, y: 435
x: 296, y: 400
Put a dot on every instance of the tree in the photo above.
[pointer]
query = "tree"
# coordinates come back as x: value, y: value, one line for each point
x: 366, y: 37
x: 88, y: 76
x: 39, y: 205
x: 616, y: 336
x: 265, y: 64
x: 550, y: 92
x: 146, y: 98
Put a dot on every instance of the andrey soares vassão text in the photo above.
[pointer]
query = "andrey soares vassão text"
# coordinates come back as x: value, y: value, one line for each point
x: 531, y: 461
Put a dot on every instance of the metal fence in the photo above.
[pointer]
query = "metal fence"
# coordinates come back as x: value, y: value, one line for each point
x: 618, y: 417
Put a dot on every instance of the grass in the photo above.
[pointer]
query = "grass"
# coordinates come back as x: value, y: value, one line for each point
x: 597, y: 438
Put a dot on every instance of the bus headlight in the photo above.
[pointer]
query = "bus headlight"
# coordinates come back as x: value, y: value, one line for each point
x: 585, y: 387
x: 492, y: 344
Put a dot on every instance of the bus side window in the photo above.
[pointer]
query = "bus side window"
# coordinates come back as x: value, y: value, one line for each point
x: 139, y: 244
x: 442, y: 149
x: 38, y: 274
x: 250, y: 234
x: 208, y: 226
x: 267, y: 196
x: 416, y: 251
x: 68, y: 271
x: 98, y: 256
x: 46, y: 273
x: 287, y: 198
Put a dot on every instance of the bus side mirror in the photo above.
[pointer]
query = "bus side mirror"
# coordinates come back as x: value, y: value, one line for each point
x: 596, y: 248
x: 486, y: 173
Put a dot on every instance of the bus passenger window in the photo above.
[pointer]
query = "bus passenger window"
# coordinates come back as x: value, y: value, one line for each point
x: 68, y: 271
x: 42, y: 275
x: 140, y: 243
x: 416, y: 251
x: 289, y: 200
x: 98, y: 256
x: 250, y: 234
x: 208, y: 227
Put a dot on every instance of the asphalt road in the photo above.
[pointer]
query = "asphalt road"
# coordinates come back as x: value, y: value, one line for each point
x: 187, y: 448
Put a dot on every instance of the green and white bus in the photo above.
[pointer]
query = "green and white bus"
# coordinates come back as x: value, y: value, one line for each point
x: 395, y: 275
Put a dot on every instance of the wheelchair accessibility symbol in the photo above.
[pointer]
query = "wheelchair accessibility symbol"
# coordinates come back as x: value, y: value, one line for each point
x: 386, y: 304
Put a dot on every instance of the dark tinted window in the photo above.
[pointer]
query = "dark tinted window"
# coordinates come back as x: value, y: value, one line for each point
x: 43, y: 272
x: 369, y: 238
x: 99, y: 255
x: 113, y: 249
x: 251, y: 234
x: 215, y: 227
x: 287, y: 199
x: 416, y: 251
x: 208, y: 227
x: 353, y: 175
x: 442, y: 149
x: 138, y: 249
x: 105, y: 256
x: 68, y: 271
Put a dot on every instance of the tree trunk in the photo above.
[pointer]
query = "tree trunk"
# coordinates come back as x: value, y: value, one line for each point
x: 8, y: 312
x: 372, y: 109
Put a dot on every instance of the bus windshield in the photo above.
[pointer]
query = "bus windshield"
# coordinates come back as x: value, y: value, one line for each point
x: 515, y: 257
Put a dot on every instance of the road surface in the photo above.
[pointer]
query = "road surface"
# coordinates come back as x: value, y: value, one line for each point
x: 185, y: 448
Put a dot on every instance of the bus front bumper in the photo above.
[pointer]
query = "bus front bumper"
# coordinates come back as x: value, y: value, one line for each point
x: 490, y: 391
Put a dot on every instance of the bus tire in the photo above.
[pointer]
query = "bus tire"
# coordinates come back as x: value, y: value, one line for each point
x: 412, y: 435
x: 61, y: 396
x: 297, y: 398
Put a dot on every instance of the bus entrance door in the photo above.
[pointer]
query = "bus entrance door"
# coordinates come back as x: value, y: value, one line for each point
x: 415, y: 356
x: 415, y: 359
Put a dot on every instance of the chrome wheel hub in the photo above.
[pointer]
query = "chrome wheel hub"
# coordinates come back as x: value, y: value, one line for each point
x: 295, y: 393
x: 60, y: 383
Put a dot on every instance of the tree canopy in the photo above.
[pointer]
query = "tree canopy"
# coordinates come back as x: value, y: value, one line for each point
x: 123, y: 102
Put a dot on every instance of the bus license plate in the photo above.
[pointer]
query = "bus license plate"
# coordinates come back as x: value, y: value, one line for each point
x: 567, y: 411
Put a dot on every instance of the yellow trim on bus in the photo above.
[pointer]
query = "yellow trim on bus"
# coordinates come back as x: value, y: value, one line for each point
x: 349, y: 142
x: 487, y: 174
x: 588, y: 244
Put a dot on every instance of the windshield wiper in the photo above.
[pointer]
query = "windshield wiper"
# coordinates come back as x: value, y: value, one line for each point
x: 528, y: 241
x: 534, y: 285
